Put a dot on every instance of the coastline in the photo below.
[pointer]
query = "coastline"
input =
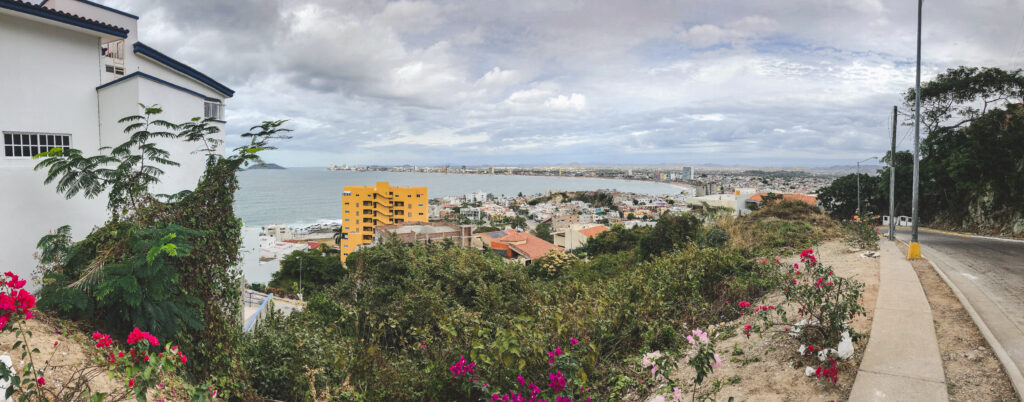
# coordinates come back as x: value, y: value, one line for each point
x: 680, y: 185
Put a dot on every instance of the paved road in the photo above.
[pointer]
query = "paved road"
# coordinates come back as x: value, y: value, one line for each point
x: 990, y: 274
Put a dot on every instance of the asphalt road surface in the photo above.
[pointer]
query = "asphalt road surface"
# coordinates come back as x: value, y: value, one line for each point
x: 990, y: 274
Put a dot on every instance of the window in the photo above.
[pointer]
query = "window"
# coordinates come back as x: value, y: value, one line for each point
x: 25, y: 145
x: 214, y: 110
x: 117, y: 70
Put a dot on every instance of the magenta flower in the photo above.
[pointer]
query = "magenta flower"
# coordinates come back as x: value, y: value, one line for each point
x: 556, y: 381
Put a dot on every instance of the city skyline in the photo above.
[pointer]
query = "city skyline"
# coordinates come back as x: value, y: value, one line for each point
x: 801, y: 83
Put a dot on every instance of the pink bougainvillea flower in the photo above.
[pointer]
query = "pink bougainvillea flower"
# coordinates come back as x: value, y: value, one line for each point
x: 137, y: 335
x: 573, y: 341
x: 458, y: 369
x: 556, y: 381
x: 522, y: 382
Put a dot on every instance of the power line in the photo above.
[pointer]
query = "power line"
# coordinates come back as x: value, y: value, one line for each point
x: 1017, y: 45
x: 906, y: 134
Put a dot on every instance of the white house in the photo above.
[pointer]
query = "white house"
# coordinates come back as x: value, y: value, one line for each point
x: 70, y: 69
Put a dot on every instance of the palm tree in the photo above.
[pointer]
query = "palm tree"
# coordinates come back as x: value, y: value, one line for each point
x: 339, y: 235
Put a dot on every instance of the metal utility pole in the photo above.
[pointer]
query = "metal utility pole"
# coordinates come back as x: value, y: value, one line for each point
x: 914, y: 251
x: 858, y: 184
x: 892, y: 180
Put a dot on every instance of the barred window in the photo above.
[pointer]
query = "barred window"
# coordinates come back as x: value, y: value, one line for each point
x: 214, y: 109
x: 25, y: 145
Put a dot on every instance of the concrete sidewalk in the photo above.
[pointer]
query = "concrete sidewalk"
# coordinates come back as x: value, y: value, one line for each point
x: 902, y: 361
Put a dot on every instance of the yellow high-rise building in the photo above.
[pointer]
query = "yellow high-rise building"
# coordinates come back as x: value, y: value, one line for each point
x: 365, y: 207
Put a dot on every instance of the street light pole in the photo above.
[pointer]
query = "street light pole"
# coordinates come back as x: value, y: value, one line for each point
x: 892, y: 180
x: 300, y: 278
x: 914, y: 251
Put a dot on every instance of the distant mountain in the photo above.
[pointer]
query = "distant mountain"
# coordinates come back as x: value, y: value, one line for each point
x: 265, y: 166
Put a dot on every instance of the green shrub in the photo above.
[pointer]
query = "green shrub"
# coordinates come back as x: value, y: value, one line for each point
x: 283, y: 353
x: 861, y: 235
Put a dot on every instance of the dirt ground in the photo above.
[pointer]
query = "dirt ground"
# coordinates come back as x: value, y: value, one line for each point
x: 64, y: 349
x: 62, y: 355
x: 769, y: 368
x: 973, y: 372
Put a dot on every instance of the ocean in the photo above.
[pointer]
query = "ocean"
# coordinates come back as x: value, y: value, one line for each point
x: 305, y: 196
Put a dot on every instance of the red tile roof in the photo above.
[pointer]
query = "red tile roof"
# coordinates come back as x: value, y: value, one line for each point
x: 593, y: 231
x: 809, y: 199
x: 533, y: 248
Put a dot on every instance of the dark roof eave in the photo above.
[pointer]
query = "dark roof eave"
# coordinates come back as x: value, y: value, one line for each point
x: 63, y: 17
x: 142, y: 48
x: 158, y: 81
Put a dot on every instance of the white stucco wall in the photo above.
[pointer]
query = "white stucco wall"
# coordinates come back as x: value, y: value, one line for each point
x: 47, y: 84
x: 48, y: 80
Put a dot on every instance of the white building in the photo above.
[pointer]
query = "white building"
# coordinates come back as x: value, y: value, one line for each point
x: 279, y: 232
x: 70, y: 70
x: 479, y: 196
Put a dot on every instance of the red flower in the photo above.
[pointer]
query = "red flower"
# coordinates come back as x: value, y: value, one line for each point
x: 41, y: 381
x: 746, y: 330
x: 146, y: 358
x: 131, y: 383
x: 744, y: 304
x: 138, y: 335
x: 102, y: 340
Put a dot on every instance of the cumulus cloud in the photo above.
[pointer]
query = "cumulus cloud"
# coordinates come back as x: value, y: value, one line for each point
x: 574, y: 102
x: 613, y: 81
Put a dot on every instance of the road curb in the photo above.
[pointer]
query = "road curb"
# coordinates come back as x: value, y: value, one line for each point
x: 1016, y: 377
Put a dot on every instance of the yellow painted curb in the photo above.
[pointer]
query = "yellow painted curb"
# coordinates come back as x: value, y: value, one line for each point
x: 914, y: 251
x: 945, y: 232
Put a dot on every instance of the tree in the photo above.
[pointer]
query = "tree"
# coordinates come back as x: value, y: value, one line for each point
x: 970, y: 158
x: 904, y: 182
x: 318, y: 270
x: 615, y: 240
x: 166, y: 262
x: 840, y: 197
x: 670, y: 232
x: 486, y: 229
x: 339, y: 235
x: 543, y: 231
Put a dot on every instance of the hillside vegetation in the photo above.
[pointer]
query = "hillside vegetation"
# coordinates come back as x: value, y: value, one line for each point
x: 781, y: 227
x: 972, y: 157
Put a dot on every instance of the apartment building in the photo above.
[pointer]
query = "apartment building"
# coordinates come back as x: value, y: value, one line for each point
x: 71, y: 69
x: 576, y: 236
x: 424, y: 232
x: 366, y: 207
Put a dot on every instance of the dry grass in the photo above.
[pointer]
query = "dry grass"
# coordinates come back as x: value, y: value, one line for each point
x: 785, y: 225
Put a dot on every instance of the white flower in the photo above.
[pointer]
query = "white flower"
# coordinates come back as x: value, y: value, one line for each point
x: 803, y: 348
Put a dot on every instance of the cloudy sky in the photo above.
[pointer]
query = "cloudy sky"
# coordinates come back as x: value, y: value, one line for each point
x: 756, y: 82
